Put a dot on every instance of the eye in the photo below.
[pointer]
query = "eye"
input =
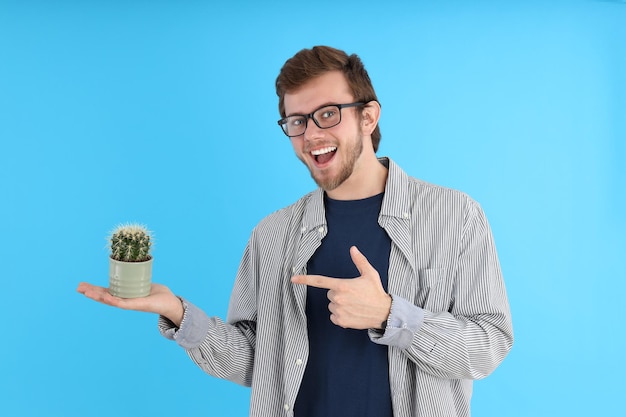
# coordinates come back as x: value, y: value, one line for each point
x: 328, y: 113
x: 295, y: 121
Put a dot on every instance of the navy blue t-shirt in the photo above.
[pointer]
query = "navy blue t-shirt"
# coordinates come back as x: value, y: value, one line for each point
x: 347, y: 375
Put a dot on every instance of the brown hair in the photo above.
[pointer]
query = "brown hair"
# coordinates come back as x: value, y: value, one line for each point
x: 310, y: 63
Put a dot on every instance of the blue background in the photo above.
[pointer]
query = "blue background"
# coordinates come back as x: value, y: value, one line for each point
x: 164, y: 113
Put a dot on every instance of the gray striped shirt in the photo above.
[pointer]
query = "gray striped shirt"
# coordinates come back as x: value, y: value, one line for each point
x: 449, y: 323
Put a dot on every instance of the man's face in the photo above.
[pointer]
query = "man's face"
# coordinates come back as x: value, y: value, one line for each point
x: 330, y: 154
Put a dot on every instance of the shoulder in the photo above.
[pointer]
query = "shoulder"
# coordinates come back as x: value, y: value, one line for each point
x: 284, y: 218
x: 424, y: 194
x: 431, y: 191
x: 441, y: 205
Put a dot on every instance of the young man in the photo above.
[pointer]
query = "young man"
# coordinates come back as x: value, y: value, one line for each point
x: 375, y: 295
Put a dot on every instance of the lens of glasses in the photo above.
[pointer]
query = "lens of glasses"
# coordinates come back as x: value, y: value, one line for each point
x: 324, y: 118
x: 294, y: 125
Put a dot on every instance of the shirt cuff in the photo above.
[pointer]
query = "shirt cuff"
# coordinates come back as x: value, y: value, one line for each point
x: 405, y: 319
x: 193, y: 328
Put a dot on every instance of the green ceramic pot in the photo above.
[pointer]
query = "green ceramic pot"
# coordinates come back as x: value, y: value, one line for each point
x: 130, y: 279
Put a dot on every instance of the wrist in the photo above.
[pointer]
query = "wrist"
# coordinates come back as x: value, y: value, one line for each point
x: 175, y: 311
x: 385, y: 322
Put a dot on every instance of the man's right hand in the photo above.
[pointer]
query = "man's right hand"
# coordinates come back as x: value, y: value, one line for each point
x: 160, y: 301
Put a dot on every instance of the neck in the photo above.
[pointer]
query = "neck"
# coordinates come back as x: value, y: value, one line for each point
x: 368, y: 179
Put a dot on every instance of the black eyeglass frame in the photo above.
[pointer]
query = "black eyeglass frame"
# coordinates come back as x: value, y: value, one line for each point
x: 282, y: 122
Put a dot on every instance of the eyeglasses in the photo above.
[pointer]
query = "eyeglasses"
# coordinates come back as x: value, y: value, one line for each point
x: 325, y: 117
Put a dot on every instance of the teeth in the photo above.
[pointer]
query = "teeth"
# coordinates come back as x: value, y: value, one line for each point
x: 322, y: 151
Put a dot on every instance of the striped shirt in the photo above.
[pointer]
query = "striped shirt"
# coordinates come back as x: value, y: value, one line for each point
x: 449, y: 322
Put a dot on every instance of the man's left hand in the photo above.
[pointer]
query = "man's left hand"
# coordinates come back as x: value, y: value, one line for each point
x: 355, y: 303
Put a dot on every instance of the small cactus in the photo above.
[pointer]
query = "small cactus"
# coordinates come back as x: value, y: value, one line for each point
x: 131, y: 243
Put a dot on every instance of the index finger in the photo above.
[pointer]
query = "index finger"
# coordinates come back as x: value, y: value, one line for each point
x: 317, y: 281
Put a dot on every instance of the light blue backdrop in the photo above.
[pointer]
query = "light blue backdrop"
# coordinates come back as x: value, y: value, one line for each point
x: 164, y: 112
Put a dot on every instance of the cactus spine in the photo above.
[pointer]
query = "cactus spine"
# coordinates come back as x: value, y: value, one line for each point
x: 131, y: 243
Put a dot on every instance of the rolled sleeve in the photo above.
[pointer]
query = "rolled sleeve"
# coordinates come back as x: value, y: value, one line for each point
x: 405, y: 319
x: 193, y: 328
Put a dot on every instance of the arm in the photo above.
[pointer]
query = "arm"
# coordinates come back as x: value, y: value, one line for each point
x: 218, y: 348
x: 474, y: 335
x: 224, y: 350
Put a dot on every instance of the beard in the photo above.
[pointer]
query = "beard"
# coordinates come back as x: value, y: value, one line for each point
x: 352, y: 154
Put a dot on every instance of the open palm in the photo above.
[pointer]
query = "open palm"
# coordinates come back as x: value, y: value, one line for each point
x: 160, y: 300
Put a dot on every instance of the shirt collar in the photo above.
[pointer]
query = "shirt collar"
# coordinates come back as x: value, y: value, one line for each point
x: 396, y: 201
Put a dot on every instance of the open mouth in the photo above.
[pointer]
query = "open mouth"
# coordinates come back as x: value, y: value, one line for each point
x: 324, y: 155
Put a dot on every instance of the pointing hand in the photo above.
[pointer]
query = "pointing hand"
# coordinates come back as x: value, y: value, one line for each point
x: 355, y: 303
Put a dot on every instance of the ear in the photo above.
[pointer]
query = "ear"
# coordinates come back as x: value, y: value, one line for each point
x: 369, y: 117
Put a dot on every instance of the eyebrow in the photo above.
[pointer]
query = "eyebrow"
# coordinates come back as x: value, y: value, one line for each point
x: 329, y: 103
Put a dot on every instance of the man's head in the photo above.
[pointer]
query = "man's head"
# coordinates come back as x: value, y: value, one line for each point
x: 312, y: 63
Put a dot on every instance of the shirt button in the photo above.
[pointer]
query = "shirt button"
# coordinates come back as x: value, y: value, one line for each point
x: 286, y: 407
x: 303, y: 229
x: 321, y: 230
x: 406, y: 215
x: 298, y: 362
x: 293, y: 269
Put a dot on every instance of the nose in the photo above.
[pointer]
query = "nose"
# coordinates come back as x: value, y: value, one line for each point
x: 312, y: 130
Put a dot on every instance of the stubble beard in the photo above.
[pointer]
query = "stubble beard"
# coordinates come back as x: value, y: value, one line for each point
x: 346, y: 170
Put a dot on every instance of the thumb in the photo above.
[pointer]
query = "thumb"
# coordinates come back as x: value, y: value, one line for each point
x: 362, y: 264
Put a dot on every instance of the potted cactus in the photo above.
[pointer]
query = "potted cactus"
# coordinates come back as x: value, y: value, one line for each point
x: 130, y: 263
